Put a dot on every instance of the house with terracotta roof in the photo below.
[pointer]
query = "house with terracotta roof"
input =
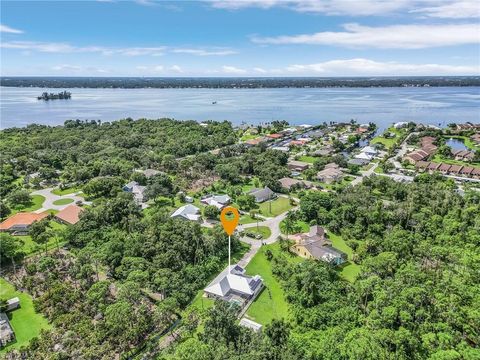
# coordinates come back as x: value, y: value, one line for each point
x: 433, y: 166
x: 475, y: 173
x: 70, y: 215
x: 20, y: 223
x: 463, y: 155
x: 275, y: 136
x: 476, y: 138
x: 415, y: 156
x: 466, y: 171
x: 444, y: 168
x: 422, y: 165
x: 455, y: 169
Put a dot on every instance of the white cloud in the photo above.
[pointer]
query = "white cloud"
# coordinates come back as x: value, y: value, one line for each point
x: 203, y: 52
x: 177, y: 69
x: 80, y: 70
x: 386, y: 37
x: 232, y: 70
x: 367, y: 67
x: 10, y: 30
x: 158, y: 68
x: 127, y: 51
x: 260, y: 70
x: 453, y: 10
x: 444, y: 9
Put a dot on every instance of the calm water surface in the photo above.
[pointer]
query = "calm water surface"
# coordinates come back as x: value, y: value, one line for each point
x: 438, y: 106
x: 456, y: 144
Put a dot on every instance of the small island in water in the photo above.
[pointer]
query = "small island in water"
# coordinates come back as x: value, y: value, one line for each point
x: 51, y: 96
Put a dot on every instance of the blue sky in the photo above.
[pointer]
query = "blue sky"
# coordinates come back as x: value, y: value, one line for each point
x: 240, y: 38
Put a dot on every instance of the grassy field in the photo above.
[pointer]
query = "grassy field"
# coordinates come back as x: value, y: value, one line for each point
x: 246, y: 137
x: 278, y: 206
x: 439, y: 158
x: 67, y: 191
x: 264, y: 231
x: 247, y: 219
x: 63, y: 201
x: 35, y: 204
x: 271, y: 303
x: 308, y: 159
x: 390, y: 141
x: 25, y: 321
x: 350, y: 270
x: 300, y: 227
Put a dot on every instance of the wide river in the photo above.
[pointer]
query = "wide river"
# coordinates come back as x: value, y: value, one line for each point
x: 437, y: 106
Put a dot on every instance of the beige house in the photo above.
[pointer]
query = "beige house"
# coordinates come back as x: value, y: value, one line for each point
x: 330, y: 174
x: 316, y: 245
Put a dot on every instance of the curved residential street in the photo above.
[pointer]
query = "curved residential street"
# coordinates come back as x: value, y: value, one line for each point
x: 50, y: 198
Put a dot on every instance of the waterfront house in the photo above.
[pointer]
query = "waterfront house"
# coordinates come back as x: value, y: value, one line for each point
x: 463, y: 155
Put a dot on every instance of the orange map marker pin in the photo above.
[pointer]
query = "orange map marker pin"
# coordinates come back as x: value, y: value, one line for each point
x: 229, y: 222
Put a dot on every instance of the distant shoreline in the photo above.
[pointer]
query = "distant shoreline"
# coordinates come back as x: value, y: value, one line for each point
x: 237, y: 83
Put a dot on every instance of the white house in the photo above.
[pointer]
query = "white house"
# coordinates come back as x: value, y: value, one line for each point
x: 136, y: 189
x: 187, y: 212
x: 370, y: 150
x: 235, y: 286
x: 219, y: 201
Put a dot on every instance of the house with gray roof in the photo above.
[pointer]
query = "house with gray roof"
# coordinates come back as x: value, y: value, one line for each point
x: 316, y: 245
x: 187, y: 212
x: 136, y: 189
x: 235, y: 287
x: 219, y: 201
x: 262, y: 195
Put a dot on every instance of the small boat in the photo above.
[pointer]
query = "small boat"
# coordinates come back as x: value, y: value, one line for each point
x: 214, y: 102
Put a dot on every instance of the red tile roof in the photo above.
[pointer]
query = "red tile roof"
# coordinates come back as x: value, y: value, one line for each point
x: 22, y: 218
x: 70, y: 214
x: 275, y: 136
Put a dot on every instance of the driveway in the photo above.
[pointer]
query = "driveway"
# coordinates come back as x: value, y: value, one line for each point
x: 50, y: 198
x: 367, y: 173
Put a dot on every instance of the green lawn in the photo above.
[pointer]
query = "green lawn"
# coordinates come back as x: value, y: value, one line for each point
x: 264, y: 231
x: 250, y: 185
x: 271, y: 303
x: 299, y: 227
x: 35, y: 204
x: 439, y: 158
x: 308, y: 159
x: 30, y: 247
x: 67, y: 191
x: 25, y: 321
x: 350, y: 270
x: 63, y: 201
x: 278, y: 206
x: 247, y: 219
x: 390, y: 141
x: 246, y: 137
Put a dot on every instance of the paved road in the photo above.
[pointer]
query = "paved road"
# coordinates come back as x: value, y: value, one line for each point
x: 51, y: 197
x: 366, y: 173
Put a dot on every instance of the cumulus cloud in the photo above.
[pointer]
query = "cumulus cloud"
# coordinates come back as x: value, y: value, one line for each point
x: 232, y: 70
x: 386, y: 37
x: 177, y: 69
x: 444, y: 9
x: 9, y: 30
x: 367, y: 67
